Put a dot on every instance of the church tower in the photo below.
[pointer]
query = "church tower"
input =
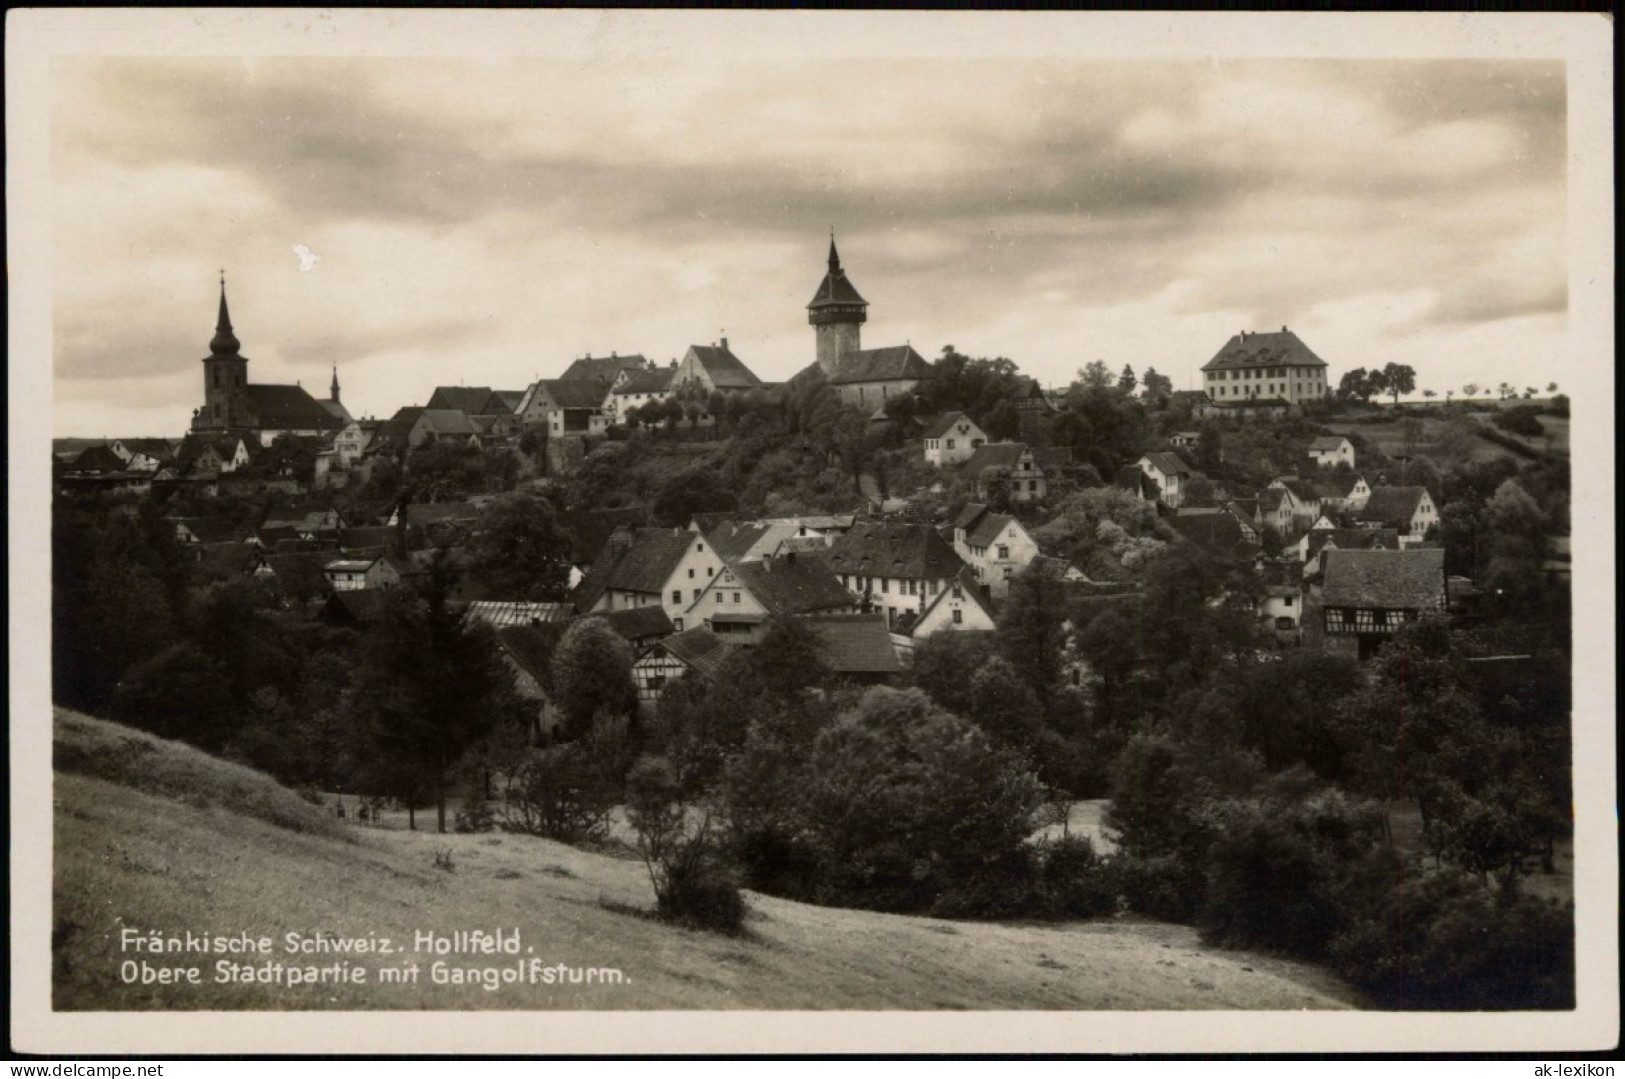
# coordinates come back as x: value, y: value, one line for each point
x: 225, y: 377
x: 334, y: 397
x: 836, y: 312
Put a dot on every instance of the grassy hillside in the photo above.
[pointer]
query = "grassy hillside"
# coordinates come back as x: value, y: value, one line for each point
x: 153, y: 836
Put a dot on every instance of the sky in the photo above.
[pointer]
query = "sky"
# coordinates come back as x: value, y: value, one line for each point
x: 485, y: 221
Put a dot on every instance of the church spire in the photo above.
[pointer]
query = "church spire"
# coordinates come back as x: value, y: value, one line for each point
x: 225, y: 342
x: 834, y: 256
x: 335, y: 386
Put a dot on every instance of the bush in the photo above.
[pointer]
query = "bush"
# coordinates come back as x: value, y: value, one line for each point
x: 692, y: 881
x: 1074, y: 881
x: 1444, y: 941
x: 1521, y: 420
x: 560, y: 794
x: 1166, y: 886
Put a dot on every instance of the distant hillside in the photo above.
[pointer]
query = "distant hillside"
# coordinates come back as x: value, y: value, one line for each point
x: 157, y: 837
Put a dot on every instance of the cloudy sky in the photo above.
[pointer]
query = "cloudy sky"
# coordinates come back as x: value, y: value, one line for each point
x: 484, y: 221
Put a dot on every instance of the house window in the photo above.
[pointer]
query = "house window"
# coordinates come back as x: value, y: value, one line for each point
x: 1286, y: 601
x: 655, y: 682
x: 691, y: 575
x: 885, y: 584
x: 696, y: 595
x: 677, y: 595
x: 959, y: 616
x: 1004, y: 551
x: 950, y: 443
x: 736, y: 597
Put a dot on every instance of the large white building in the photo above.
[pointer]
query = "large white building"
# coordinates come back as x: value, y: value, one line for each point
x: 1264, y: 368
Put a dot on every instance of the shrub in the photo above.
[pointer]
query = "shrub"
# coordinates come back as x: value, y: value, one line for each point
x: 1445, y: 941
x: 1165, y: 886
x: 1074, y: 881
x: 560, y: 794
x: 1521, y: 420
x: 692, y: 881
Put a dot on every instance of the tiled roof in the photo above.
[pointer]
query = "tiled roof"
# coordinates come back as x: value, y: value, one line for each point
x: 288, y: 406
x: 508, y: 399
x: 1327, y: 443
x: 1192, y: 397
x: 1411, y: 579
x: 656, y: 381
x: 856, y: 644
x: 893, y: 550
x: 574, y: 392
x: 210, y: 529
x: 1353, y: 539
x: 968, y: 589
x: 699, y: 648
x: 968, y: 516
x: 1287, y: 575
x: 97, y: 459
x: 880, y: 365
x: 469, y: 399
x: 1337, y: 484
x: 727, y: 371
x: 793, y: 585
x: 360, y: 605
x: 1001, y: 455
x: 945, y: 423
x: 643, y: 565
x: 733, y: 540
x: 1169, y: 464
x: 1391, y: 504
x: 1217, y: 532
x: 988, y: 529
x: 396, y: 429
x: 1302, y: 490
x: 603, y: 368
x: 1282, y: 349
x: 447, y: 422
x: 835, y: 289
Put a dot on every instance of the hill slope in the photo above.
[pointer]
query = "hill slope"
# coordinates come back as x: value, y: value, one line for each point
x: 129, y: 854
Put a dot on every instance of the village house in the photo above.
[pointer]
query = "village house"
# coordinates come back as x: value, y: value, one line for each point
x: 1221, y: 533
x: 193, y: 530
x: 500, y: 613
x: 856, y: 647
x: 443, y: 425
x: 1366, y: 596
x: 1171, y: 475
x: 357, y: 574
x: 1132, y: 478
x: 1014, y: 463
x: 1329, y: 451
x: 649, y: 567
x: 1275, y: 510
x: 693, y: 653
x: 1304, y: 498
x: 566, y: 407
x: 1312, y: 545
x: 1180, y: 440
x: 959, y: 608
x: 996, y: 546
x: 1409, y: 510
x: 528, y: 651
x: 868, y: 378
x: 893, y: 567
x: 608, y: 371
x: 953, y: 437
x: 1264, y: 369
x: 640, y: 388
x: 1280, y: 610
x: 1342, y: 491
x: 705, y: 368
x: 745, y: 596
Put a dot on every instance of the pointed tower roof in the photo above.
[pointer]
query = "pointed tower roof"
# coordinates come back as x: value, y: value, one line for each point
x: 835, y: 290
x: 335, y: 387
x: 225, y: 342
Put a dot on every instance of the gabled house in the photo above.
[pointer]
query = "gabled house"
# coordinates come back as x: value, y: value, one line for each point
x: 870, y: 377
x: 1409, y: 510
x: 609, y: 371
x: 640, y: 388
x: 1222, y: 534
x: 443, y: 425
x: 693, y: 653
x: 1180, y: 440
x: 1280, y: 609
x: 953, y: 437
x: 356, y: 574
x: 1342, y: 491
x: 1171, y: 474
x: 996, y: 546
x: 959, y: 608
x: 1367, y: 596
x: 1263, y: 370
x: 893, y: 567
x: 745, y: 596
x: 1329, y: 451
x: 303, y: 518
x: 469, y: 400
x: 575, y: 406
x: 712, y: 367
x: 1275, y: 510
x: 649, y: 567
x: 1313, y: 544
x: 856, y: 647
x: 1304, y: 497
x: 194, y: 530
x: 1023, y: 467
x: 1133, y: 479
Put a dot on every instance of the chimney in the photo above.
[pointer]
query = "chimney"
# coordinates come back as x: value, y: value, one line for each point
x: 724, y: 342
x: 767, y: 563
x: 1283, y: 329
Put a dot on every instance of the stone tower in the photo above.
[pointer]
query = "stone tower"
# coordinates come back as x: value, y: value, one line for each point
x: 225, y: 376
x: 836, y: 312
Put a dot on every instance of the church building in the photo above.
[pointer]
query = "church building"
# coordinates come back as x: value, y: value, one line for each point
x: 231, y: 404
x: 867, y: 378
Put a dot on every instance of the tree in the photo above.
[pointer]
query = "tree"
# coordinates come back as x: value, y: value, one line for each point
x: 1470, y: 389
x: 1158, y: 389
x: 1376, y: 382
x: 1429, y: 394
x: 430, y: 684
x: 1209, y: 446
x: 699, y: 490
x: 1126, y: 381
x: 1095, y: 376
x: 521, y: 551
x: 1356, y: 385
x: 592, y: 673
x: 1399, y: 378
x: 1032, y: 629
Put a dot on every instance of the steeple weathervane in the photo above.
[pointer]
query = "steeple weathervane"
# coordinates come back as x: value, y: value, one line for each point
x: 225, y: 342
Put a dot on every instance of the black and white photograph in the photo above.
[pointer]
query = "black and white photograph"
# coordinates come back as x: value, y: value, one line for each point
x: 789, y: 528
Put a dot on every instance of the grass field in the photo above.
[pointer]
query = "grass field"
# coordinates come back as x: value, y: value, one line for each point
x: 1389, y: 439
x: 175, y: 845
